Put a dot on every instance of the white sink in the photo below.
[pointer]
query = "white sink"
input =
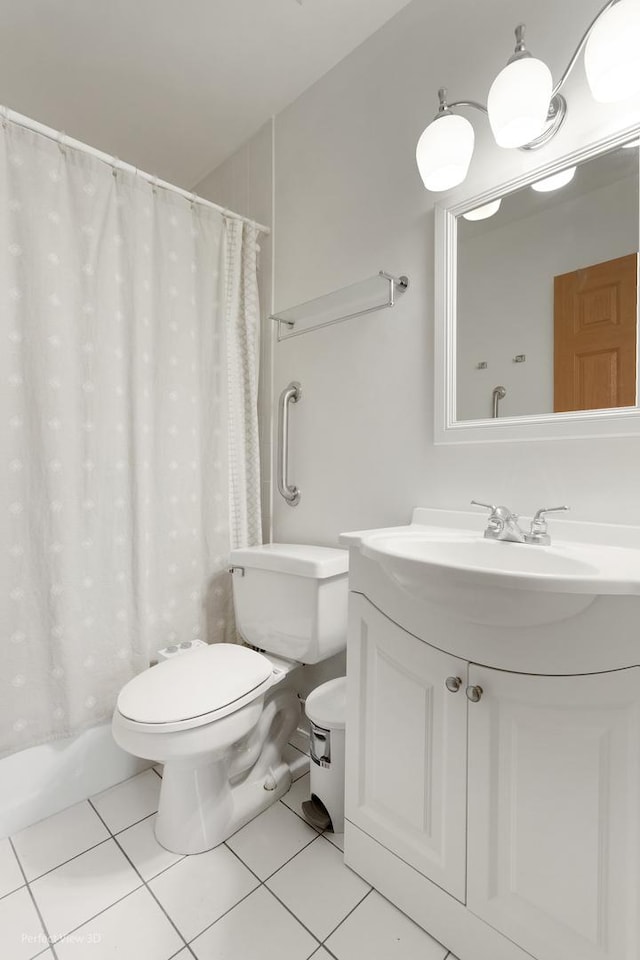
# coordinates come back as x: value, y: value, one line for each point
x: 502, y: 583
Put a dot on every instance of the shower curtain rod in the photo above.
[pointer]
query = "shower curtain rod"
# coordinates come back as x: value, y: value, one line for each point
x: 64, y: 141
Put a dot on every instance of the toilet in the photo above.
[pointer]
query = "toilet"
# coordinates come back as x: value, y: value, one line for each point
x: 219, y: 717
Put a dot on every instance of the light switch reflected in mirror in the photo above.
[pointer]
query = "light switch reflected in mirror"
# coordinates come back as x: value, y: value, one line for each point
x: 547, y: 293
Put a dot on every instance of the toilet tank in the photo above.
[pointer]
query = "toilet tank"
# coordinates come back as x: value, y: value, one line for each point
x: 291, y: 599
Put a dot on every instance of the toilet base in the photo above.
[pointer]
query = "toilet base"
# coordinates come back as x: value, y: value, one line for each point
x: 198, y: 809
x: 203, y: 801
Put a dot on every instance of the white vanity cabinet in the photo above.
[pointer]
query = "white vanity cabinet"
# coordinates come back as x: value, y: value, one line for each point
x: 406, y: 769
x: 509, y: 827
x: 554, y: 812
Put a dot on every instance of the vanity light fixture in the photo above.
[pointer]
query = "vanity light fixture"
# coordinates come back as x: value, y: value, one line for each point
x: 611, y: 53
x: 445, y: 148
x: 525, y: 110
x: 519, y: 97
x: 554, y: 182
x: 484, y: 212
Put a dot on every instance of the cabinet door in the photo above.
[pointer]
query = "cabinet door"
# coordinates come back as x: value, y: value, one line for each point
x: 554, y: 812
x: 406, y: 746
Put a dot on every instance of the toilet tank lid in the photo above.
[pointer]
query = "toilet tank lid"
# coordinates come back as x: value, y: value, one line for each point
x: 300, y: 559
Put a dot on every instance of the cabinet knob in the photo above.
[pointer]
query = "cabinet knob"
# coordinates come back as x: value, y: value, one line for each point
x: 453, y: 684
x: 474, y: 693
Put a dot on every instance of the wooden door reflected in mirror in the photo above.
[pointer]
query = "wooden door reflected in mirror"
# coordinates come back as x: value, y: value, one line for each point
x: 595, y: 336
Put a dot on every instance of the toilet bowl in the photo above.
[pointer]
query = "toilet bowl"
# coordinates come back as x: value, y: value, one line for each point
x: 219, y: 717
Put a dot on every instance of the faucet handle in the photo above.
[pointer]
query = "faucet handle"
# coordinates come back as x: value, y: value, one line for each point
x: 490, y: 506
x: 504, y: 513
x: 539, y: 516
x: 538, y: 532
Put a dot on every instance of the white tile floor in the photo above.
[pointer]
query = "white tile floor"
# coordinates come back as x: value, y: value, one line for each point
x: 92, y: 883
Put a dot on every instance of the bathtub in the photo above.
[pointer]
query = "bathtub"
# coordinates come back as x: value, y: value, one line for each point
x: 42, y: 780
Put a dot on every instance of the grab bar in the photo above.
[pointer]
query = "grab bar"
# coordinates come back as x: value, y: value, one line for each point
x: 290, y: 394
x: 498, y: 394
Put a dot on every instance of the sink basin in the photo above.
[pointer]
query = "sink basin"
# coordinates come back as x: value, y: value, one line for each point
x: 501, y: 583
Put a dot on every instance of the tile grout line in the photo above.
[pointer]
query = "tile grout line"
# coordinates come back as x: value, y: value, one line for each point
x: 64, y: 936
x: 321, y: 942
x: 292, y: 857
x: 299, y: 816
x: 114, y: 837
x: 63, y: 863
x: 263, y: 883
x: 270, y: 807
x: 100, y: 912
x: 128, y: 827
x: 361, y: 901
x: 238, y: 857
x: 15, y: 890
x: 273, y: 873
x: 289, y: 910
x: 144, y: 883
x: 48, y: 937
x: 334, y: 845
x: 329, y: 951
x: 222, y: 915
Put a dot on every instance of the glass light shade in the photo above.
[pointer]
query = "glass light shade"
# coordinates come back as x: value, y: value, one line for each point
x: 612, y: 53
x: 444, y: 152
x: 554, y: 182
x: 518, y: 102
x: 484, y: 212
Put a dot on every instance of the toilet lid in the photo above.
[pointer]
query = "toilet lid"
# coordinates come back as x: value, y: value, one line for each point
x: 193, y: 684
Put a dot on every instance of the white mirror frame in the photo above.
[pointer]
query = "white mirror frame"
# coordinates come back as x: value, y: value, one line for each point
x: 616, y: 422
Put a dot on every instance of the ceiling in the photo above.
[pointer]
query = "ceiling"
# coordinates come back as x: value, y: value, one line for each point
x: 172, y: 86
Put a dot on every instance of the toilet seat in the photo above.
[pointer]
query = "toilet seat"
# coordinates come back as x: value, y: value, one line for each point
x: 196, y: 688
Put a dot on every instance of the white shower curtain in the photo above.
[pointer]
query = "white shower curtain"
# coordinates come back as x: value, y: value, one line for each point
x: 128, y: 374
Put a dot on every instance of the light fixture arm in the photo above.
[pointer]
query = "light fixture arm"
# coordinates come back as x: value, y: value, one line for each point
x: 470, y: 103
x: 574, y: 59
x: 524, y: 108
x: 557, y: 105
x: 445, y: 108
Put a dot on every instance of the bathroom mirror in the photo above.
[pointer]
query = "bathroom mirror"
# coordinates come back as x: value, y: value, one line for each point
x: 537, y: 302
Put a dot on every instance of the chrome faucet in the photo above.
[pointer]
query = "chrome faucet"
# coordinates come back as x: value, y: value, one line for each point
x: 503, y: 525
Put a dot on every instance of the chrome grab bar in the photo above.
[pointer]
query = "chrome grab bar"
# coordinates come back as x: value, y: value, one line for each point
x: 498, y: 394
x: 290, y: 394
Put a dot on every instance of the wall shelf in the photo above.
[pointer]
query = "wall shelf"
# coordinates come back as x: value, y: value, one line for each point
x: 366, y: 296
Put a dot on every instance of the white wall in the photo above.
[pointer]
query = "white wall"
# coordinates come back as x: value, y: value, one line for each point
x: 505, y: 291
x: 348, y: 202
